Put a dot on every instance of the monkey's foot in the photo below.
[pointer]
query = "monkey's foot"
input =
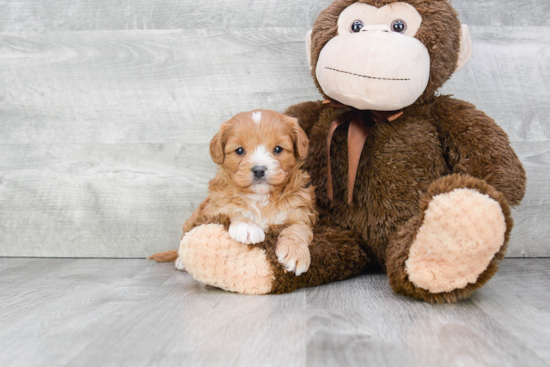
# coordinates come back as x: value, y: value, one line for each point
x: 212, y: 257
x: 453, y: 247
x: 462, y: 231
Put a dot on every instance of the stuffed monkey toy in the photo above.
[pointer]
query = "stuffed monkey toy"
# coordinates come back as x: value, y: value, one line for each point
x: 408, y: 182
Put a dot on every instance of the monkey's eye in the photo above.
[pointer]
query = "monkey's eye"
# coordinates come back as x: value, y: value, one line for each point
x: 239, y: 151
x: 278, y: 150
x: 357, y: 26
x: 399, y: 26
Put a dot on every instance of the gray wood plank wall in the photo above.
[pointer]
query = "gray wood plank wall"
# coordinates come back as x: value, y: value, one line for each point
x: 107, y: 108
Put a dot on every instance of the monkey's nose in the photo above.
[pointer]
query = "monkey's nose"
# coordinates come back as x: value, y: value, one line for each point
x: 259, y: 171
x: 376, y: 27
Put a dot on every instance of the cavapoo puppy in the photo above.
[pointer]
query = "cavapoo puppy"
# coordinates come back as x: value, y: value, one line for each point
x: 259, y: 185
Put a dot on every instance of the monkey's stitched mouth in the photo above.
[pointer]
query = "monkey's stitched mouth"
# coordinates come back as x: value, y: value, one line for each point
x: 366, y: 76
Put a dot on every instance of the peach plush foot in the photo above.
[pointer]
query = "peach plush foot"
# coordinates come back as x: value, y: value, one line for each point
x: 212, y: 257
x: 461, y: 232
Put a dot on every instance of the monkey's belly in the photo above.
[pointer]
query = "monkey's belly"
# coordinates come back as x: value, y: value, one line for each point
x: 398, y: 164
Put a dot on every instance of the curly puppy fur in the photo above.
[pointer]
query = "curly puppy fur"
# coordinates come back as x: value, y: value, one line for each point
x: 280, y: 196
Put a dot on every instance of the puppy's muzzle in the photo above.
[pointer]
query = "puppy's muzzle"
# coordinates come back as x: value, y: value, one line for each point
x: 259, y: 173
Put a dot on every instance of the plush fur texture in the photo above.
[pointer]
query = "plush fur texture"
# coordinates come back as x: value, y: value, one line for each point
x: 401, y: 242
x: 440, y: 33
x: 401, y: 161
x: 214, y: 259
x: 375, y: 75
x: 439, y: 146
x: 239, y: 268
x: 451, y: 249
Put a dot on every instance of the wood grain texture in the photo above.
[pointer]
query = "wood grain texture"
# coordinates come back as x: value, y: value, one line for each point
x: 137, y: 313
x: 144, y: 86
x: 105, y: 133
x: 154, y: 86
x: 59, y: 312
x: 100, y: 200
x: 130, y: 200
x: 508, y: 78
x: 531, y: 233
x: 70, y: 15
x: 361, y: 322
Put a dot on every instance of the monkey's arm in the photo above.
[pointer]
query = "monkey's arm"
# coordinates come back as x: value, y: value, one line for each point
x: 307, y: 113
x: 477, y: 146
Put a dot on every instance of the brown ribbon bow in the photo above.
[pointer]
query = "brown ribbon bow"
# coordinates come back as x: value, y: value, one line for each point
x: 360, y: 123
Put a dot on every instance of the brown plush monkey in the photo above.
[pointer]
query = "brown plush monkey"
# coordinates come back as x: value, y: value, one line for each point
x: 419, y: 185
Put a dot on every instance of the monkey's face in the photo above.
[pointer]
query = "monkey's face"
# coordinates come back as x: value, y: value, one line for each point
x: 375, y: 61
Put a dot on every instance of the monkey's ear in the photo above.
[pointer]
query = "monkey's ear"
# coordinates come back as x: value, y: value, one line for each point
x: 217, y: 144
x: 465, y: 52
x: 308, y: 48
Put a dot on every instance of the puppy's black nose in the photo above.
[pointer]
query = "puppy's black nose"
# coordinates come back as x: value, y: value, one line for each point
x: 259, y: 171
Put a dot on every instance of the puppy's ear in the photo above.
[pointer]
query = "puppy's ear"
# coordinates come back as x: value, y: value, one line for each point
x: 217, y: 144
x: 216, y: 149
x: 301, y: 142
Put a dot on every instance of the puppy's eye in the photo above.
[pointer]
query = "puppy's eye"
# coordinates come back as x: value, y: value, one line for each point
x: 278, y: 150
x: 240, y: 151
x: 357, y: 26
x: 399, y: 26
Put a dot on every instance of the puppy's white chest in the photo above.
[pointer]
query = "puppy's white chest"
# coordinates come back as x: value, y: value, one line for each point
x: 264, y: 221
x: 258, y: 213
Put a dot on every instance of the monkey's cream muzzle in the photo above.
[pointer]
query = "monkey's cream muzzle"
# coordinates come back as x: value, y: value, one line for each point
x: 374, y: 69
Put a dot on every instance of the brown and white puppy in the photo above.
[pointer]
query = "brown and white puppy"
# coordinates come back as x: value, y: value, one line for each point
x: 259, y: 184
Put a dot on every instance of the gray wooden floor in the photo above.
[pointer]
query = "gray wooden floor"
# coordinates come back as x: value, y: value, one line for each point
x: 106, y: 312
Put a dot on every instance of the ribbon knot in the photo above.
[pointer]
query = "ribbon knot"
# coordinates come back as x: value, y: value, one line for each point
x: 360, y: 124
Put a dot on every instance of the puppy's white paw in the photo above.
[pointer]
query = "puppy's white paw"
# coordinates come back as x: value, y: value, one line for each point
x: 293, y: 255
x: 179, y: 264
x: 246, y: 233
